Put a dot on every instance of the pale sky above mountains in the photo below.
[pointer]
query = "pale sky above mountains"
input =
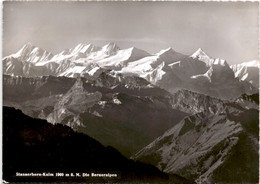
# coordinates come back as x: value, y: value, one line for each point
x: 226, y: 30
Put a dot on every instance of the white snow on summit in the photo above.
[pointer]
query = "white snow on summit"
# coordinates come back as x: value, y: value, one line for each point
x: 254, y: 63
x: 122, y: 57
x: 202, y: 56
x: 30, y: 53
x: 199, y: 53
x: 167, y: 68
x: 247, y: 71
x: 221, y: 62
x: 149, y: 63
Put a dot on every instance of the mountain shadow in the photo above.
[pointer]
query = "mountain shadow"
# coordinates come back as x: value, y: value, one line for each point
x: 33, y: 145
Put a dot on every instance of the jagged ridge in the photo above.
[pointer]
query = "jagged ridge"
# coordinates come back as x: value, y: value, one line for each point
x: 205, y: 143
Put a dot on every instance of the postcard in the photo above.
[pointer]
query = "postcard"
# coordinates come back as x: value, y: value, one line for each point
x: 130, y: 92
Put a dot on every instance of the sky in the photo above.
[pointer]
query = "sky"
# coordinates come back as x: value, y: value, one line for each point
x: 227, y: 30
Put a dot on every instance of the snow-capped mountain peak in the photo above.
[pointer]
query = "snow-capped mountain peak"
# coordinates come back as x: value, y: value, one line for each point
x: 221, y: 62
x: 169, y: 55
x: 199, y: 53
x: 83, y: 49
x: 133, y: 48
x: 110, y: 44
x: 247, y: 71
x: 27, y: 45
x: 254, y: 63
x: 27, y: 48
x: 122, y: 57
x: 137, y: 51
x: 32, y: 54
x: 202, y: 56
x: 110, y: 48
x: 165, y: 51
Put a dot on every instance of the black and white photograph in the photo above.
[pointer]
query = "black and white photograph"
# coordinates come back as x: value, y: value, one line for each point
x: 130, y: 92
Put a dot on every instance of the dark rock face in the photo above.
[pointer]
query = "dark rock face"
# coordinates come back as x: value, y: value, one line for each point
x: 192, y: 102
x: 33, y: 145
x: 249, y: 101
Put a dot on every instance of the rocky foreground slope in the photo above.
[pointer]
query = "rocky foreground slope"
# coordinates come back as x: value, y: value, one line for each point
x: 217, y: 144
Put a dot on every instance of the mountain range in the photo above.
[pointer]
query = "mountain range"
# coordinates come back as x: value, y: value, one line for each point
x: 167, y: 69
x: 124, y: 112
x: 186, y: 133
x: 193, y: 117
